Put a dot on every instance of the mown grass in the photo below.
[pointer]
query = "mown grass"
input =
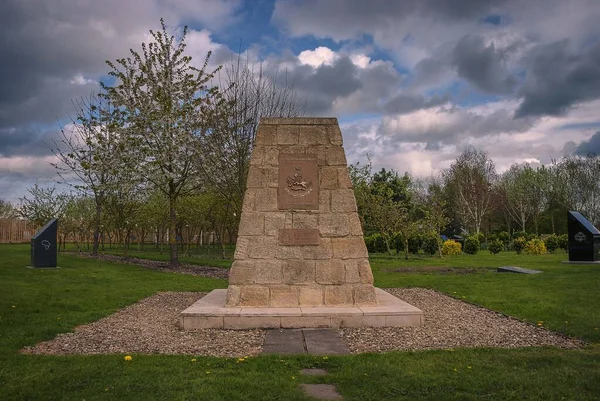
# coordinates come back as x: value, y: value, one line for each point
x: 48, y: 302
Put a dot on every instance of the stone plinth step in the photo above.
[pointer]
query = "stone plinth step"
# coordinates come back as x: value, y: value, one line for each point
x: 515, y: 269
x: 210, y: 313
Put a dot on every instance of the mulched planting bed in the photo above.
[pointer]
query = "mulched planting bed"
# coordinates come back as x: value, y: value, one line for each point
x: 194, y: 270
x: 151, y: 327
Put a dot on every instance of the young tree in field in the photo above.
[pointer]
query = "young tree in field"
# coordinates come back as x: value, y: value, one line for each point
x: 169, y: 104
x: 43, y: 204
x: 89, y: 153
x: 7, y: 210
x: 469, y: 182
x: 434, y: 206
x: 515, y: 185
x: 249, y: 93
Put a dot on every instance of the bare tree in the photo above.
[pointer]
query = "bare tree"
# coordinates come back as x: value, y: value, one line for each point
x: 250, y: 93
x: 7, y: 210
x: 89, y: 153
x: 43, y: 204
x: 469, y: 181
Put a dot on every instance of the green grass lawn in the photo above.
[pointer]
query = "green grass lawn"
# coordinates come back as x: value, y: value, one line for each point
x: 36, y: 305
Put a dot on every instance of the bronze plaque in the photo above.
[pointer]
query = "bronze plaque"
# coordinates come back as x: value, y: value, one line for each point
x: 299, y: 236
x: 298, y: 182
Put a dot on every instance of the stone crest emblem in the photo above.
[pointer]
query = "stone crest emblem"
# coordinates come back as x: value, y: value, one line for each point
x: 297, y: 186
x: 580, y: 237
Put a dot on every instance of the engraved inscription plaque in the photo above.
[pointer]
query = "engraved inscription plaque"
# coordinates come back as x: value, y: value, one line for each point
x: 299, y: 236
x: 298, y: 182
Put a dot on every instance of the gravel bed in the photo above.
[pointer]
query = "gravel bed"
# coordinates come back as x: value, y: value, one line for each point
x: 451, y: 323
x: 151, y: 327
x: 194, y: 270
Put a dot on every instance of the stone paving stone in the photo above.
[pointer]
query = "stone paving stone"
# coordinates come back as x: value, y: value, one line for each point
x: 324, y: 342
x: 313, y: 372
x: 321, y: 391
x: 515, y: 269
x: 284, y: 342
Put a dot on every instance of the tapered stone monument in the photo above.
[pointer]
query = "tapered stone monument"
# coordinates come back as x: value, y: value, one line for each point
x: 44, y: 246
x: 300, y: 258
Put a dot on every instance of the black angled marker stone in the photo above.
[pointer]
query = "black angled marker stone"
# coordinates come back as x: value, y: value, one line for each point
x: 584, y: 239
x: 43, y: 245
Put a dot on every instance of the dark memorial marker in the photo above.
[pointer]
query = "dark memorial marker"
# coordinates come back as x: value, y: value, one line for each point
x: 584, y: 239
x: 43, y: 245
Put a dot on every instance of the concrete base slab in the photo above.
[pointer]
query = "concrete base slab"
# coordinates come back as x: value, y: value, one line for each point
x: 515, y: 269
x: 582, y: 262
x: 210, y: 313
x: 284, y: 342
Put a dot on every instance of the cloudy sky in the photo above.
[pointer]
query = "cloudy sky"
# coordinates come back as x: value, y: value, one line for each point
x: 412, y: 82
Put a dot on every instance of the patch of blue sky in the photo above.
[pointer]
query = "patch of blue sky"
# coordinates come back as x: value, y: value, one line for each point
x: 355, y: 117
x: 495, y: 19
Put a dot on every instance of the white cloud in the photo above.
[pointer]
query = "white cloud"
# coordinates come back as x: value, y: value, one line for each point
x: 315, y: 58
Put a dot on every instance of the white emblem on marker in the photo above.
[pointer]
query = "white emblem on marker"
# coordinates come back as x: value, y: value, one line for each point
x: 580, y: 237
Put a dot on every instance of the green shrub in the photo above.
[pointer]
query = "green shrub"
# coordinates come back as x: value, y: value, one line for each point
x: 495, y: 246
x: 552, y: 243
x: 430, y: 244
x: 519, y: 244
x: 375, y: 243
x: 471, y: 245
x: 492, y: 237
x: 504, y: 236
x: 518, y: 234
x: 535, y: 247
x: 563, y: 242
x: 531, y: 236
x: 398, y: 242
x: 415, y: 243
x: 451, y: 247
x: 480, y: 237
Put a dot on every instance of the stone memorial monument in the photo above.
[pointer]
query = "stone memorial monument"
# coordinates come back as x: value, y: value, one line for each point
x: 584, y: 239
x: 300, y: 258
x: 43, y: 245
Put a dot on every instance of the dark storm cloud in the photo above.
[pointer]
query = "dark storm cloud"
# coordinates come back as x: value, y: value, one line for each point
x: 337, y: 80
x: 558, y: 77
x: 482, y: 65
x: 591, y: 146
x: 407, y: 102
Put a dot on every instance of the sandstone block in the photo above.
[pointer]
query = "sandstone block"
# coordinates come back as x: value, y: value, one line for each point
x: 330, y: 271
x: 344, y: 178
x: 287, y: 135
x: 312, y: 135
x: 321, y: 152
x: 242, y: 272
x: 241, y: 248
x: 335, y: 135
x: 266, y: 135
x: 328, y: 177
x: 324, y: 201
x: 352, y: 273
x: 255, y: 178
x: 322, y: 251
x: 342, y: 200
x: 364, y: 295
x: 338, y: 295
x: 289, y: 252
x: 334, y: 224
x: 304, y: 220
x: 310, y: 296
x: 299, y: 272
x: 336, y: 156
x: 349, y: 248
x: 268, y: 271
x: 254, y: 296
x: 354, y: 224
x: 284, y: 296
x: 262, y: 248
x: 293, y: 322
x: 271, y: 156
x: 249, y: 204
x: 365, y: 272
x: 258, y: 156
x: 266, y: 200
x: 233, y: 295
x: 274, y: 222
x: 251, y: 224
x: 299, y: 121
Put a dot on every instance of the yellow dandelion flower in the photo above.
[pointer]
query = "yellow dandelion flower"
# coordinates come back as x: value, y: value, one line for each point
x: 14, y: 306
x: 194, y: 360
x: 208, y: 372
x: 293, y: 377
x: 456, y: 370
x: 468, y: 367
x: 128, y: 358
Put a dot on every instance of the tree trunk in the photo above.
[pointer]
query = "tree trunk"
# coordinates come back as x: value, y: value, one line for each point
x: 97, y: 229
x: 173, y: 259
x: 406, y: 248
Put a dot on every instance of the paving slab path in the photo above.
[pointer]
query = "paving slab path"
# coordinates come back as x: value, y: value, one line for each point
x: 304, y: 341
